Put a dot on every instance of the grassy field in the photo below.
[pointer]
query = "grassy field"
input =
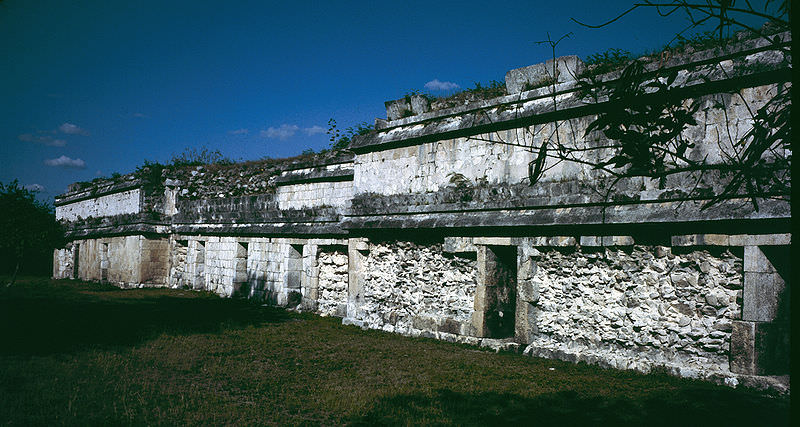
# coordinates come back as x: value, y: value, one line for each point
x: 80, y: 353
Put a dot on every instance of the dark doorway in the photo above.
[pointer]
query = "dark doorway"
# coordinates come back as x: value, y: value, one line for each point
x: 501, y: 291
x: 76, y: 256
x: 104, y: 262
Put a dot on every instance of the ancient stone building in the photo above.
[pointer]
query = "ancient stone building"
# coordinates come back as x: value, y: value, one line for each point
x: 430, y: 226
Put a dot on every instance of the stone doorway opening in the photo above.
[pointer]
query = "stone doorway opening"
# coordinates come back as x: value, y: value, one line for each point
x: 104, y: 262
x: 294, y: 271
x: 76, y: 256
x: 500, y: 281
x: 200, y: 265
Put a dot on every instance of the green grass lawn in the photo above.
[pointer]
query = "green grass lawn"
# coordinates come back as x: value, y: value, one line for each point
x: 81, y: 353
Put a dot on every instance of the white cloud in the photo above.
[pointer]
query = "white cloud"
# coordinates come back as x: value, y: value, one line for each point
x: 435, y: 84
x: 42, y: 139
x: 283, y: 132
x: 72, y: 129
x: 34, y: 187
x: 239, y: 132
x: 66, y: 162
x: 140, y: 115
x: 313, y: 130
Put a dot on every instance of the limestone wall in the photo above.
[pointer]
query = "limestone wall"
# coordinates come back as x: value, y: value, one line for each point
x: 429, y: 227
x: 333, y: 280
x: 638, y: 307
x: 125, y: 202
x: 128, y: 260
x: 63, y: 262
x: 307, y: 195
x: 502, y: 157
x: 416, y: 286
x: 225, y: 258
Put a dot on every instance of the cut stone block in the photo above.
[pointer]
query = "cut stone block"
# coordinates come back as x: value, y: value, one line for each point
x: 763, y: 298
x: 701, y: 240
x: 759, y: 348
x: 537, y: 75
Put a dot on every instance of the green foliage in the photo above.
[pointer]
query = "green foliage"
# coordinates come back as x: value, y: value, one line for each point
x: 494, y: 89
x: 28, y: 229
x: 699, y: 41
x: 549, y: 81
x: 340, y: 140
x: 151, y: 175
x: 193, y: 157
x: 645, y: 122
x: 480, y: 91
x: 609, y: 60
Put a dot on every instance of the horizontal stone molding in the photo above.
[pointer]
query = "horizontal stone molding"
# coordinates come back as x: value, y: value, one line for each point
x: 781, y: 239
x: 92, y: 192
x: 632, y: 213
x: 317, y: 175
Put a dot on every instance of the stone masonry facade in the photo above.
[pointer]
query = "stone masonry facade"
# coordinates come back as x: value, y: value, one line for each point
x: 429, y: 226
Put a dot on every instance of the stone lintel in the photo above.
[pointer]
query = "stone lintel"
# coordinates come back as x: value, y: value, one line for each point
x: 459, y: 245
x: 780, y: 239
x: 493, y: 241
x: 701, y: 240
x: 595, y: 241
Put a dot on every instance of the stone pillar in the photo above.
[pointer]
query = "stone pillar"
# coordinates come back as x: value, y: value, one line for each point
x: 241, y: 286
x: 527, y: 293
x: 357, y: 249
x: 310, y: 279
x: 479, y: 304
x: 760, y: 340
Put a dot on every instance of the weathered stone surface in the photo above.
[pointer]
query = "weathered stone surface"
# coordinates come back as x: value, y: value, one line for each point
x: 759, y: 348
x: 567, y: 68
x: 433, y: 229
x: 625, y: 303
x: 403, y: 281
x: 764, y: 295
x: 333, y: 275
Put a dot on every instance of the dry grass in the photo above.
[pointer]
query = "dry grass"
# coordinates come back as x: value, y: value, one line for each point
x: 79, y: 353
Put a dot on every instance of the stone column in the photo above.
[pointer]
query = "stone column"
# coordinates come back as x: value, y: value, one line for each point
x: 527, y: 293
x: 479, y: 304
x: 357, y: 249
x: 310, y: 278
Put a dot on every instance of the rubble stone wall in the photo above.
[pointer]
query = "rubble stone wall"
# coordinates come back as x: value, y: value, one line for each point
x: 63, y: 262
x: 332, y: 285
x: 639, y: 307
x: 416, y: 286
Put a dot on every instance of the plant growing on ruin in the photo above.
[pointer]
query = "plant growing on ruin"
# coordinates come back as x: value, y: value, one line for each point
x: 646, y: 137
x: 197, y: 157
x: 646, y: 114
x: 340, y: 140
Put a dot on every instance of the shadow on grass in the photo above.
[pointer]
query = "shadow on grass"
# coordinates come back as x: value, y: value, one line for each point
x: 684, y: 406
x: 45, y: 318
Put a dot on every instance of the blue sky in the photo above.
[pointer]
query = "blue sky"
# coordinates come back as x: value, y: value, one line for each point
x: 88, y: 88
